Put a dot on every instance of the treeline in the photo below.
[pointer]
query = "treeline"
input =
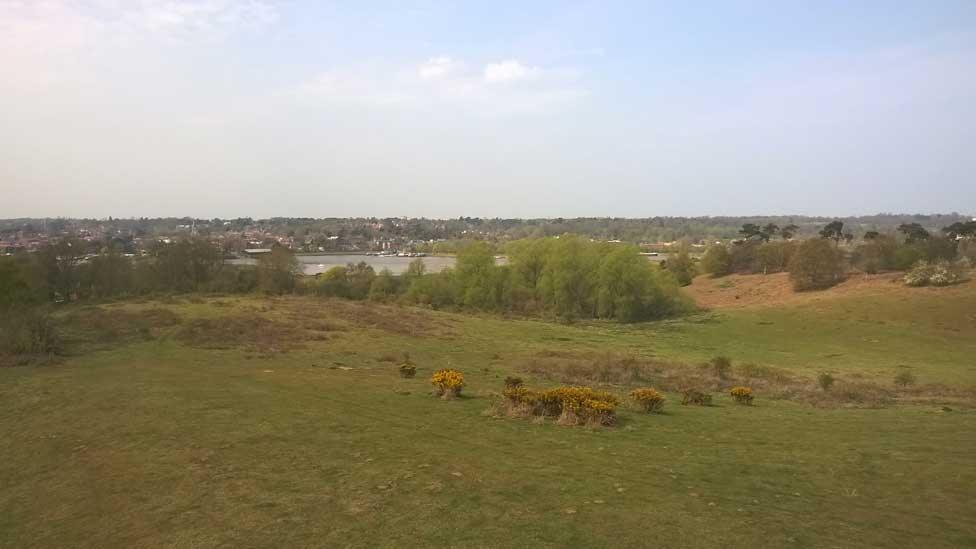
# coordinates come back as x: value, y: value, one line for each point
x: 824, y: 260
x: 566, y: 277
x: 61, y: 272
x: 634, y: 230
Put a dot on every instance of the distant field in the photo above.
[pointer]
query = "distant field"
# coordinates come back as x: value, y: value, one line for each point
x: 282, y: 422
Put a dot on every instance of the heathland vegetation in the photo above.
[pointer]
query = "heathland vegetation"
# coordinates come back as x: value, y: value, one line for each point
x: 177, y: 399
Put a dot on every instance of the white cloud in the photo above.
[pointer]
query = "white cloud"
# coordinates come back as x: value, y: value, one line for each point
x: 437, y: 67
x: 509, y: 71
x: 44, y: 43
x: 443, y: 84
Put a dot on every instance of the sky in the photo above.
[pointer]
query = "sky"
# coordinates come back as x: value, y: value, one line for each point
x: 308, y: 108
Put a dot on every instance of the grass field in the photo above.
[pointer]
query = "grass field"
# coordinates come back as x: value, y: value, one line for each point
x: 263, y: 422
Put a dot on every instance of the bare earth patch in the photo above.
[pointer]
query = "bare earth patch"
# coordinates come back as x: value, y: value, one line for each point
x: 757, y: 290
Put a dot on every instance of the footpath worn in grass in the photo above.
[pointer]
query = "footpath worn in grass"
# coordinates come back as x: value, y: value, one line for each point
x: 161, y: 437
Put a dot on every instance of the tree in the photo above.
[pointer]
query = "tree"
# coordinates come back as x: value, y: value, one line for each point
x: 385, y: 286
x: 773, y: 257
x: 816, y: 265
x: 109, y: 274
x: 833, y: 231
x: 569, y: 278
x: 59, y: 264
x: 787, y: 232
x: 360, y: 278
x: 277, y: 270
x: 681, y: 266
x: 913, y: 232
x: 769, y: 231
x: 750, y: 231
x: 476, y: 276
x: 15, y: 287
x: 186, y: 265
x: 871, y: 235
x: 961, y: 230
x: 717, y: 261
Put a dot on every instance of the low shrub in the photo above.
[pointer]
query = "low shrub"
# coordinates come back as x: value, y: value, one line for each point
x: 904, y: 379
x: 447, y: 383
x: 940, y: 273
x: 721, y: 365
x: 649, y: 399
x: 407, y: 368
x: 742, y: 395
x: 570, y: 405
x: 29, y: 332
x: 825, y: 381
x: 513, y: 381
x: 696, y: 397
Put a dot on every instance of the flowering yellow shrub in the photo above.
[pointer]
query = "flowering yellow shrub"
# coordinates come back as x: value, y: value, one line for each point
x: 598, y: 412
x: 447, y: 383
x: 572, y: 405
x: 579, y: 405
x: 649, y: 399
x: 742, y: 395
x: 516, y: 394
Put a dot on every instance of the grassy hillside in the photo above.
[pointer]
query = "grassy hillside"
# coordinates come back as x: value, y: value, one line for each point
x: 283, y: 422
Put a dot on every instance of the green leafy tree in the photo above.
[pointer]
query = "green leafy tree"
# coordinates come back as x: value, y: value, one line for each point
x: 477, y: 277
x: 717, y: 261
x: 833, y: 231
x: 277, y: 271
x: 750, y: 231
x: 681, y: 266
x: 385, y: 286
x: 913, y: 232
x: 788, y: 231
x: 816, y: 265
x: 961, y: 229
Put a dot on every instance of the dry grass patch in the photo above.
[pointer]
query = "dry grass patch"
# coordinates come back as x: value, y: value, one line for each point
x: 109, y: 326
x: 631, y: 371
x: 248, y: 332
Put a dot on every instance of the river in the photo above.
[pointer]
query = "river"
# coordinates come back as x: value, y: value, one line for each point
x: 315, y: 264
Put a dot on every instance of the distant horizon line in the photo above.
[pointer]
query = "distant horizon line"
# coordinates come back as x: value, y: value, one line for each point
x: 537, y: 218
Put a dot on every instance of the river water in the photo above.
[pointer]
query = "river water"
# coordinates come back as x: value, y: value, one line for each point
x: 315, y: 264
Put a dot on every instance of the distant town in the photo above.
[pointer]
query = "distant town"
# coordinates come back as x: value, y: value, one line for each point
x: 411, y: 237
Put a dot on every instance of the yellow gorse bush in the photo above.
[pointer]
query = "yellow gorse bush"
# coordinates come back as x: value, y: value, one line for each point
x: 447, y: 382
x: 648, y: 398
x: 742, y: 395
x: 573, y: 405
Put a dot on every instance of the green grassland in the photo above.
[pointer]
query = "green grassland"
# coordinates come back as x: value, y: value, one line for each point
x: 271, y: 422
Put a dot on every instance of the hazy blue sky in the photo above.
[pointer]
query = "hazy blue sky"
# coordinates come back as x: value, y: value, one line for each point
x: 313, y: 108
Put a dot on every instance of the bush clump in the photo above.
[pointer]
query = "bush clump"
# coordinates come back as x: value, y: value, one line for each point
x: 817, y: 264
x: 649, y: 399
x: 742, y: 395
x: 696, y: 397
x: 825, y: 381
x: 904, y: 379
x: 29, y: 332
x: 447, y: 383
x: 513, y: 381
x: 940, y: 273
x: 407, y: 368
x: 721, y: 365
x: 570, y: 405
